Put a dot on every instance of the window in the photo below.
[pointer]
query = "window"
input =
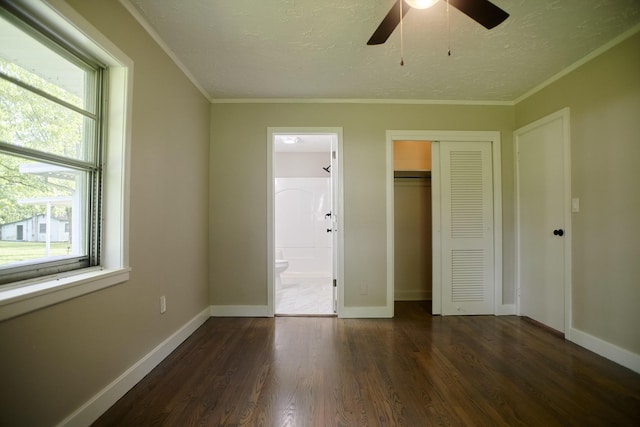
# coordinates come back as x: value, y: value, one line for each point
x: 82, y: 178
x: 50, y: 149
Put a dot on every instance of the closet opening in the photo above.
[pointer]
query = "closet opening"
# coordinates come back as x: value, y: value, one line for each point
x: 412, y: 221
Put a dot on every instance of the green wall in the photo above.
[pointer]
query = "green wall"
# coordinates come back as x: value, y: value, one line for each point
x: 199, y: 214
x: 604, y: 98
x: 55, y: 359
x: 238, y: 188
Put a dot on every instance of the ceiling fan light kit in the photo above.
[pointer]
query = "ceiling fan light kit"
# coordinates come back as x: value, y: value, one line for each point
x: 483, y: 12
x: 421, y: 4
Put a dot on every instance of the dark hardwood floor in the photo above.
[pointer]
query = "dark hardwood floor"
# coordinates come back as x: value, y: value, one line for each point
x: 413, y: 370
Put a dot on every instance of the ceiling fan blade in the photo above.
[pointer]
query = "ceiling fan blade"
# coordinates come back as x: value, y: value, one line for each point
x: 483, y: 12
x: 388, y: 24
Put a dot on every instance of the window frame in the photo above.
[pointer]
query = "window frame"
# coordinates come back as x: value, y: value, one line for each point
x: 93, y: 144
x: 113, y: 266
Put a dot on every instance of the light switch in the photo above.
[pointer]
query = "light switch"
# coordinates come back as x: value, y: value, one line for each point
x: 575, y: 205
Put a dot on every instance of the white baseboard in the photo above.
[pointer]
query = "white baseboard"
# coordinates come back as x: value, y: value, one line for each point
x: 240, y: 311
x: 263, y: 311
x: 505, y: 309
x: 415, y: 295
x: 366, y: 312
x: 105, y: 398
x: 605, y: 349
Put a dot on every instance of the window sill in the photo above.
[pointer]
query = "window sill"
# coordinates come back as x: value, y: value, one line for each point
x: 28, y: 296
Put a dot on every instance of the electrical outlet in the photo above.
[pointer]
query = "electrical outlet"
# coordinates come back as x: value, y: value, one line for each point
x: 163, y: 304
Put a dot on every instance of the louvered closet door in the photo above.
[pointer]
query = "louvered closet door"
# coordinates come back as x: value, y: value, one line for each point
x: 467, y: 228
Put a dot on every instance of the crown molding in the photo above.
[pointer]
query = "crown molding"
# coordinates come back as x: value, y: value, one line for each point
x: 156, y: 37
x: 599, y: 51
x: 356, y: 101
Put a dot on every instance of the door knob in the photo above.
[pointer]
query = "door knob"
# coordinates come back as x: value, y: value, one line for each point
x: 558, y: 232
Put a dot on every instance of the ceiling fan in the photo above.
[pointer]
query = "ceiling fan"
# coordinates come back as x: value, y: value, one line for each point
x: 484, y: 12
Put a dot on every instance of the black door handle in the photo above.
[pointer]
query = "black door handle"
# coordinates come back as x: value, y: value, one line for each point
x: 558, y: 232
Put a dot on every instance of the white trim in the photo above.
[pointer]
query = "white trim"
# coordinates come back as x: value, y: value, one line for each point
x: 366, y: 312
x: 568, y: 247
x: 105, y: 398
x: 164, y: 46
x: 116, y: 164
x: 612, y: 352
x: 496, y: 150
x: 341, y: 223
x: 599, y: 51
x: 435, y: 137
x: 271, y: 132
x: 390, y: 211
x: 357, y: 101
x: 116, y: 176
x: 240, y: 311
x: 66, y: 21
x: 505, y: 309
x: 271, y: 226
x: 24, y: 297
x: 436, y: 236
x: 149, y: 29
x: 565, y: 116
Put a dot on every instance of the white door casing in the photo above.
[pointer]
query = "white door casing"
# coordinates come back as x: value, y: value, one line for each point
x: 543, y: 221
x: 335, y: 208
x: 337, y: 214
x: 436, y: 137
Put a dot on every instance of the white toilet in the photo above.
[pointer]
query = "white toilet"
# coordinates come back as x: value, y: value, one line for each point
x: 281, y: 265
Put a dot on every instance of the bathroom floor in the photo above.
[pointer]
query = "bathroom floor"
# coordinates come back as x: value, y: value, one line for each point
x: 302, y: 297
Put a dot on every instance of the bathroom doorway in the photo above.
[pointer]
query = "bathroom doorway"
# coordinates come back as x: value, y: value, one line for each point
x: 304, y: 224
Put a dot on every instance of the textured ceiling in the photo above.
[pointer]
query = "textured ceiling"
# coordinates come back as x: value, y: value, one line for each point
x: 317, y: 49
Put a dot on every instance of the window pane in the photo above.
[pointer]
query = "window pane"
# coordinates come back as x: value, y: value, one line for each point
x: 29, y: 120
x: 28, y: 60
x: 42, y: 211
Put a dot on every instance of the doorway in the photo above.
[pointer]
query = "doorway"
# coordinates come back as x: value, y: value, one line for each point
x: 412, y: 219
x: 543, y: 221
x: 304, y: 222
x: 462, y: 250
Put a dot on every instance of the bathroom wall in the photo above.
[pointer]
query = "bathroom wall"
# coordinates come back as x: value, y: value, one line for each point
x: 296, y: 165
x: 302, y: 200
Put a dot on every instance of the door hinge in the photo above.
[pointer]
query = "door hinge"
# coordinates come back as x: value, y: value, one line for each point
x: 335, y: 283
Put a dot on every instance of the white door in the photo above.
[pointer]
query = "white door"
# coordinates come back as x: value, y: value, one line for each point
x: 334, y: 220
x: 541, y: 220
x: 467, y: 228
